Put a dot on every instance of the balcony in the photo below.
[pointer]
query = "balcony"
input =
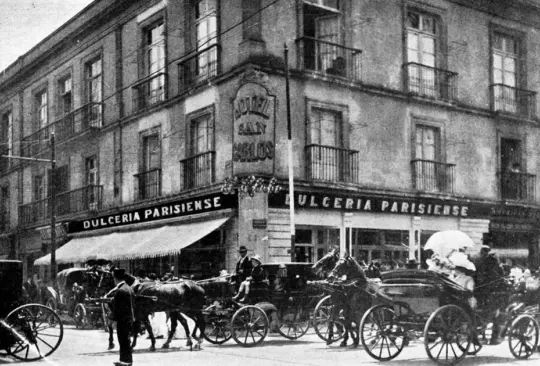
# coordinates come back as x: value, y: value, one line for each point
x: 198, y: 68
x: 199, y: 170
x: 432, y: 176
x: 149, y: 91
x: 76, y: 122
x: 517, y: 186
x: 512, y: 100
x: 329, y: 58
x: 88, y: 198
x: 427, y: 81
x: 327, y: 163
x: 148, y: 184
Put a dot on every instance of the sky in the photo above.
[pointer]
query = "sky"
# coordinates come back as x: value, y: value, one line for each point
x: 24, y: 23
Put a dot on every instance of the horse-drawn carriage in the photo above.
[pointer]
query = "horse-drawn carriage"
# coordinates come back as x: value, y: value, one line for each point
x: 283, y: 302
x: 426, y: 304
x: 28, y: 332
x: 77, y: 290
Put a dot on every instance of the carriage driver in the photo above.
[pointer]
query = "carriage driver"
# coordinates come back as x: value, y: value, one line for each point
x: 243, y: 266
x: 257, y: 276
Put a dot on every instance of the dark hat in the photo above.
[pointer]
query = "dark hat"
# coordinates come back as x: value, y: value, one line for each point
x: 119, y: 273
x: 242, y: 249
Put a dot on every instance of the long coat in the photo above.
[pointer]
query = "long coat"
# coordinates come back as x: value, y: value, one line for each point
x: 122, y: 303
x: 243, y: 268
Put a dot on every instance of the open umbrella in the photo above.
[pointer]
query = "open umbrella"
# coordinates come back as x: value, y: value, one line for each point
x: 446, y: 242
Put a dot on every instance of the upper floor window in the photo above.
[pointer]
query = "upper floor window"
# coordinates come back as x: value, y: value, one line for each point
x: 206, y: 36
x: 94, y: 89
x: 65, y: 96
x: 325, y: 127
x: 427, y: 146
x: 251, y: 16
x: 202, y: 134
x: 7, y: 136
x: 154, y: 63
x: 4, y: 207
x: 149, y: 178
x: 38, y: 188
x: 41, y: 109
x: 91, y: 171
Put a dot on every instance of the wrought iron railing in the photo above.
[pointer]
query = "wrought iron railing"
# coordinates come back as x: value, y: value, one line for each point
x: 330, y: 58
x: 513, y: 100
x: 332, y: 164
x: 199, y: 68
x: 88, y: 198
x: 149, y: 91
x: 432, y: 176
x: 148, y: 184
x: 517, y: 186
x: 430, y: 82
x: 72, y: 124
x: 198, y: 170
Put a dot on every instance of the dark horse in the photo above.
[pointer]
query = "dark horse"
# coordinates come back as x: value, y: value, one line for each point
x: 178, y: 298
x: 351, y: 295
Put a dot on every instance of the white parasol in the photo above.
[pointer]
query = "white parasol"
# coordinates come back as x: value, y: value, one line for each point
x: 460, y: 260
x: 446, y: 242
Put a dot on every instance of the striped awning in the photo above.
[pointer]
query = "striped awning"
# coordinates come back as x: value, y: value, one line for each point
x: 156, y: 242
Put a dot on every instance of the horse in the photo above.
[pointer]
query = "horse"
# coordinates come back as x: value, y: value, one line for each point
x: 178, y: 298
x: 352, y: 296
x: 326, y: 264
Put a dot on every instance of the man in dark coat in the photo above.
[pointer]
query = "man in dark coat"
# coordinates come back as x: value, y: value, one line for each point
x: 243, y: 266
x: 122, y: 313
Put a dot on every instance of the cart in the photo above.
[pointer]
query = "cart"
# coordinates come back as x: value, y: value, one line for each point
x: 29, y: 332
x: 427, y: 305
x: 283, y: 303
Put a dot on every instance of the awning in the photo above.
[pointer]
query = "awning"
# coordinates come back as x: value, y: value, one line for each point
x: 157, y: 242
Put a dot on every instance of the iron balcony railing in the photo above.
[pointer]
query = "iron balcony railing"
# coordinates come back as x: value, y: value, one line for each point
x: 149, y: 91
x: 199, y: 68
x: 430, y: 82
x: 332, y: 164
x: 88, y: 198
x: 199, y: 170
x: 517, y: 186
x: 513, y: 100
x: 329, y: 58
x: 432, y: 176
x: 148, y: 184
x: 72, y: 124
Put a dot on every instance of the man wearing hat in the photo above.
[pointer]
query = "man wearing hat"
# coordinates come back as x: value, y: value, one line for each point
x: 243, y: 266
x: 256, y: 276
x: 122, y: 313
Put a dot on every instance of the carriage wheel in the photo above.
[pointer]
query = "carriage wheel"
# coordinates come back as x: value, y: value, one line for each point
x: 448, y: 334
x: 293, y: 321
x: 37, y: 332
x: 51, y: 303
x: 218, y: 328
x: 523, y: 336
x: 321, y: 321
x: 382, y: 336
x: 249, y: 326
x: 79, y: 316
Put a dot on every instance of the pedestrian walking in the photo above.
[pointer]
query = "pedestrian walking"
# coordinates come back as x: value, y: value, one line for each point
x: 123, y: 314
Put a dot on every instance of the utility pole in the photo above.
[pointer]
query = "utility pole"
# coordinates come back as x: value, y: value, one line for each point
x: 290, y: 153
x: 53, y: 210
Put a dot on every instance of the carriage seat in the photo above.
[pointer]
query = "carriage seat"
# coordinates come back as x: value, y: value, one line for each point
x: 258, y: 291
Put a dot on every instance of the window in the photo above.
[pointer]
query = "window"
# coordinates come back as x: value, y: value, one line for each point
x: 514, y: 181
x: 7, y: 138
x: 149, y: 178
x: 41, y: 109
x: 117, y: 164
x: 391, y: 247
x: 91, y: 177
x: 94, y: 81
x: 505, y: 57
x: 38, y: 189
x: 61, y: 180
x: 198, y: 170
x: 4, y: 208
x: 428, y: 170
x: 334, y: 4
x: 65, y: 97
x: 154, y: 52
x: 325, y: 139
x: 251, y: 16
x: 421, y: 32
x: 206, y: 37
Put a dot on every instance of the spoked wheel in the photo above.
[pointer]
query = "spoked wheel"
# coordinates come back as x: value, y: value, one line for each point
x: 382, y: 336
x: 79, y: 316
x: 249, y: 326
x: 326, y: 330
x: 523, y: 336
x: 218, y: 328
x: 37, y: 332
x: 293, y: 321
x: 448, y: 334
x: 51, y: 303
